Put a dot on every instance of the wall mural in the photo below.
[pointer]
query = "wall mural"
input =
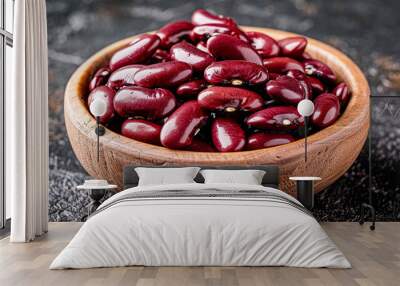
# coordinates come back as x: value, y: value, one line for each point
x: 339, y: 199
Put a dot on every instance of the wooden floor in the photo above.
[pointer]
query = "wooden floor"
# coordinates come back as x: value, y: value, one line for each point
x: 375, y: 257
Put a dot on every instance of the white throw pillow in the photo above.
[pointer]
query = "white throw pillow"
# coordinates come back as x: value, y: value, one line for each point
x: 248, y: 177
x: 164, y: 176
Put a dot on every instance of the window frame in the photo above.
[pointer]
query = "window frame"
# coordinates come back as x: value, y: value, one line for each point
x: 6, y: 39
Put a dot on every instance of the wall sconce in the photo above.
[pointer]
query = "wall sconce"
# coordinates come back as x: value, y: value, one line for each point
x: 98, y: 108
x: 306, y: 109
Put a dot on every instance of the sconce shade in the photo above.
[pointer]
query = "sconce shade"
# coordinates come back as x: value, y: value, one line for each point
x: 305, y: 107
x: 98, y: 107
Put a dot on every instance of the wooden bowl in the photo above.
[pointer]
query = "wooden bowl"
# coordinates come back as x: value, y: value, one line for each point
x: 331, y: 151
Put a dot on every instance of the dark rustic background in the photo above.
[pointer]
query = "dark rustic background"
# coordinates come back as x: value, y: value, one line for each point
x: 366, y: 30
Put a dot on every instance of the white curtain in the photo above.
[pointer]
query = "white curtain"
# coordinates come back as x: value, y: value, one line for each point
x: 27, y: 123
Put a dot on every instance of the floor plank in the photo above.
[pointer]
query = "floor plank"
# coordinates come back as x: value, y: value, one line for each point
x: 375, y: 257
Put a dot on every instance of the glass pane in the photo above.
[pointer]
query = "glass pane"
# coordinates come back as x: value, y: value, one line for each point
x: 7, y: 94
x: 9, y: 9
x: 1, y: 14
x: 2, y: 203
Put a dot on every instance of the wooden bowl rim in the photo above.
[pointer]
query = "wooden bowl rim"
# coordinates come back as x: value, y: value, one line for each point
x: 355, y: 113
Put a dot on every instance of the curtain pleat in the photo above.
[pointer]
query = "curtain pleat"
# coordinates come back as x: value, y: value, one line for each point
x: 15, y: 130
x: 45, y: 115
x: 29, y: 159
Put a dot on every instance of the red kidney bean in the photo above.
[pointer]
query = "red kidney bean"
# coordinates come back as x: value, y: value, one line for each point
x: 243, y: 36
x: 166, y: 74
x: 265, y: 140
x: 326, y: 111
x: 202, y: 47
x: 265, y: 46
x: 282, y: 65
x: 99, y: 78
x: 286, y: 89
x: 320, y: 70
x: 202, y: 17
x: 204, y: 32
x: 173, y: 32
x: 135, y: 101
x: 191, y: 88
x: 273, y: 75
x: 304, y: 82
x: 293, y: 46
x: 308, y: 91
x: 229, y: 99
x: 107, y: 94
x: 123, y: 76
x: 227, y: 135
x: 317, y: 86
x: 138, y: 51
x: 187, y: 53
x: 299, y: 75
x: 311, y: 84
x: 199, y: 145
x: 276, y: 117
x: 235, y: 72
x: 141, y: 130
x: 342, y: 92
x: 225, y: 47
x: 161, y: 56
x: 182, y: 125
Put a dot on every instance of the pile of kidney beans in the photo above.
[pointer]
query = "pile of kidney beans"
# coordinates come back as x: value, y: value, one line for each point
x: 206, y: 85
